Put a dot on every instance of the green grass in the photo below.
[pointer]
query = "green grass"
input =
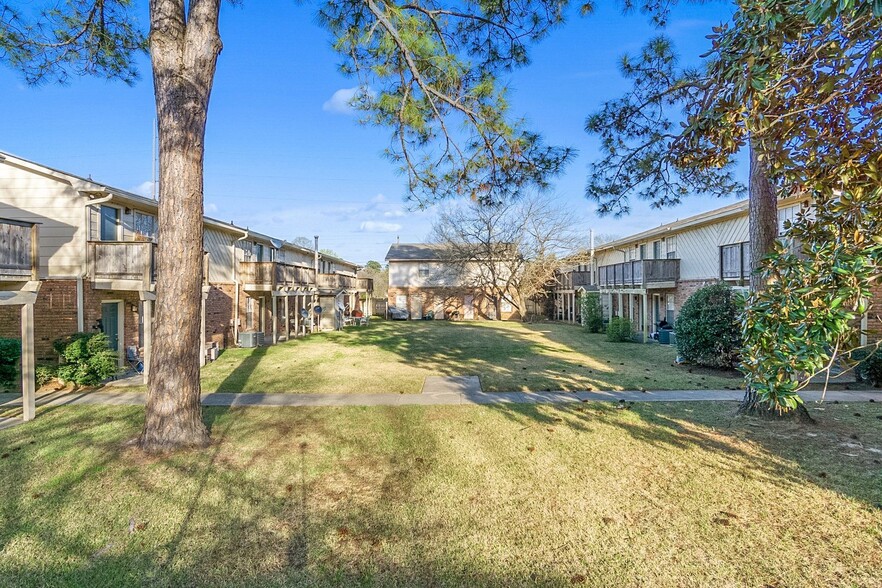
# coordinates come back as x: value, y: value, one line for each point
x: 678, y: 494
x: 397, y: 356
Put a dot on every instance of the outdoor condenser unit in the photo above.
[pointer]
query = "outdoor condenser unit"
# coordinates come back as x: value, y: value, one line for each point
x: 250, y: 339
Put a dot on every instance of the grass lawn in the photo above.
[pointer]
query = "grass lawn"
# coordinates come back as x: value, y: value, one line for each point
x: 657, y: 495
x: 397, y: 356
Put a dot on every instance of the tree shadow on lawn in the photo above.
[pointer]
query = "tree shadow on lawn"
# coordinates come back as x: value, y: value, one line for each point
x: 842, y: 452
x: 290, y: 501
x: 502, y: 356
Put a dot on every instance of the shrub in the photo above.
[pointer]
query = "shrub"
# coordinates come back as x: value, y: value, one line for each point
x: 619, y: 330
x: 870, y: 367
x: 44, y: 374
x: 709, y: 327
x: 88, y: 360
x: 10, y: 353
x: 592, y: 312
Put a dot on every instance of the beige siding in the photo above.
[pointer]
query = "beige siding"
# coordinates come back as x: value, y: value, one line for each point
x: 219, y: 246
x: 699, y: 248
x: 57, y: 206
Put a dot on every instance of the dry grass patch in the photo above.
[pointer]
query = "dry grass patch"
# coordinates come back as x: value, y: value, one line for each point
x: 678, y: 494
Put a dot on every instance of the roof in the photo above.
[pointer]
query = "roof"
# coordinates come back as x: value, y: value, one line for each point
x: 90, y: 186
x: 415, y: 252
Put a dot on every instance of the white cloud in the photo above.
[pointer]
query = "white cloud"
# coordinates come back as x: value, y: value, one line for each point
x: 144, y: 189
x: 397, y: 213
x: 379, y: 227
x: 210, y: 207
x: 341, y: 101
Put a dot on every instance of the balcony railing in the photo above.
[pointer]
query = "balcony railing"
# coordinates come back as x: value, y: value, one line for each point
x: 275, y: 274
x: 124, y: 260
x: 366, y: 284
x: 19, y: 251
x: 337, y: 282
x: 638, y: 274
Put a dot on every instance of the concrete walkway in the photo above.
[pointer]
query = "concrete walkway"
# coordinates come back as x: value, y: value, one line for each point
x: 451, y: 393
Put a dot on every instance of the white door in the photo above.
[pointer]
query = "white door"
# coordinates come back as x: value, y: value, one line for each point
x: 417, y: 308
x: 468, y: 311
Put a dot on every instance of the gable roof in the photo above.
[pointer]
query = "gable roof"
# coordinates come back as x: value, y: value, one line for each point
x: 93, y: 188
x: 415, y: 252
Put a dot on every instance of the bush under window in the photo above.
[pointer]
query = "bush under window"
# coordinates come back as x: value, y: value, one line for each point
x: 709, y: 327
x: 10, y: 353
x: 88, y: 359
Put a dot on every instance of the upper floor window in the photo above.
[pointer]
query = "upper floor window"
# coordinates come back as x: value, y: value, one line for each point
x: 735, y: 261
x: 424, y: 270
x: 656, y: 249
x: 144, y: 225
x: 642, y: 252
x: 671, y: 243
x: 109, y: 223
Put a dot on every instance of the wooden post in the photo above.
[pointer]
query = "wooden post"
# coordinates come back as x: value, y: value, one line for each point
x: 620, y: 308
x: 287, y: 317
x: 28, y: 378
x: 296, y: 316
x: 274, y: 317
x: 148, y: 336
x: 645, y: 317
x: 202, y: 330
x: 35, y: 252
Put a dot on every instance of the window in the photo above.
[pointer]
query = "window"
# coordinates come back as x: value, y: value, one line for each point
x: 145, y: 225
x: 506, y: 306
x: 671, y: 243
x: 109, y: 223
x: 670, y: 309
x: 656, y: 250
x: 735, y: 261
x: 424, y: 270
x: 642, y: 252
x: 259, y: 252
x: 249, y: 313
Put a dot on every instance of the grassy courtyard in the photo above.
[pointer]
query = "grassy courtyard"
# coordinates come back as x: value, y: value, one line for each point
x: 397, y: 356
x: 588, y: 495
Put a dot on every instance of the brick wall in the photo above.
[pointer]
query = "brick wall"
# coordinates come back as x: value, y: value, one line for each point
x: 55, y: 316
x: 219, y: 315
x: 451, y: 301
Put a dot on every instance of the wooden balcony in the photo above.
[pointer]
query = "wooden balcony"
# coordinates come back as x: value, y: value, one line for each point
x: 573, y: 280
x: 365, y: 284
x: 123, y: 265
x: 641, y: 274
x: 271, y: 275
x: 337, y: 282
x: 19, y: 251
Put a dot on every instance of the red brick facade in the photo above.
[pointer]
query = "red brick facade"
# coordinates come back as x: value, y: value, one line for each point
x: 451, y: 302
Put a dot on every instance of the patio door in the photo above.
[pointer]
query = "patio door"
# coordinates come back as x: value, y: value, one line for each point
x: 468, y: 310
x: 417, y: 307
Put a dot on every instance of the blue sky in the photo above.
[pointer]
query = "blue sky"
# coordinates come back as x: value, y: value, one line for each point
x: 284, y: 156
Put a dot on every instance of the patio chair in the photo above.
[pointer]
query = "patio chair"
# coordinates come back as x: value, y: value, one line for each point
x: 133, y: 357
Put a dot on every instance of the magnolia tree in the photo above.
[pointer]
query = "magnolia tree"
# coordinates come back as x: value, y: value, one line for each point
x: 509, y: 251
x: 434, y: 72
x: 797, y: 85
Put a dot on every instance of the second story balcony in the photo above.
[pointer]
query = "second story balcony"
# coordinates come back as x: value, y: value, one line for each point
x: 641, y: 274
x: 270, y: 275
x: 19, y: 251
x: 366, y: 284
x: 123, y: 265
x: 337, y: 281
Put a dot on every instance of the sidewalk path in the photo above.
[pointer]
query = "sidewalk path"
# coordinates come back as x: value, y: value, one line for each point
x: 430, y: 397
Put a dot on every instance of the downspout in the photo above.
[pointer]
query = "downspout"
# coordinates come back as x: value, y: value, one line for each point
x: 244, y: 236
x: 84, y: 273
x: 315, y: 298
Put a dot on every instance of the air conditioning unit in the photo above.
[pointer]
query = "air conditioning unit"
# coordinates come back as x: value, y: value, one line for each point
x: 250, y: 339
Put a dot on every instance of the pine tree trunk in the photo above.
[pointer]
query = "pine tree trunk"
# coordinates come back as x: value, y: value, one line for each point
x: 763, y: 220
x: 184, y: 50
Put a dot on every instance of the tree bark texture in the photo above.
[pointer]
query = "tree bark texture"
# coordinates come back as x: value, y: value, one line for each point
x: 184, y: 46
x: 763, y: 220
x: 763, y: 215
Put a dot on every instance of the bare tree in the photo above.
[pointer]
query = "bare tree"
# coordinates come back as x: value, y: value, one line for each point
x: 509, y: 252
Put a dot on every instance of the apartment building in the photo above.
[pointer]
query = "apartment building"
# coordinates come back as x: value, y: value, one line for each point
x: 95, y: 261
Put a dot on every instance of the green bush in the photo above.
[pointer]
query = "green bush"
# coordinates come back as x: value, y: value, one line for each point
x: 44, y: 374
x: 709, y: 327
x: 592, y: 312
x: 88, y: 360
x: 619, y: 330
x: 870, y: 367
x: 10, y: 353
